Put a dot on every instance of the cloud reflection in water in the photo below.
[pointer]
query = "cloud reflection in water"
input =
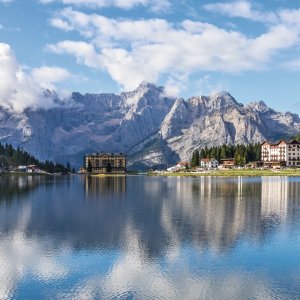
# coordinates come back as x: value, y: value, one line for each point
x: 139, y: 237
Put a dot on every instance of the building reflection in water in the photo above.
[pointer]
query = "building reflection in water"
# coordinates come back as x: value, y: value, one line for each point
x: 274, y: 197
x: 211, y: 213
x: 17, y: 186
x: 104, y: 185
x: 218, y: 211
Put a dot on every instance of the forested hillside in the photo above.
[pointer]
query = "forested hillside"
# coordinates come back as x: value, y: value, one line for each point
x: 11, y: 157
x: 242, y: 154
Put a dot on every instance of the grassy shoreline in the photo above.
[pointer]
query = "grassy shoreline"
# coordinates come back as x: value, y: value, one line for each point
x: 233, y: 173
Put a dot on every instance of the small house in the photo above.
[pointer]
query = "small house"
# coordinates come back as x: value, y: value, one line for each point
x: 227, y: 163
x: 183, y: 164
x: 33, y: 169
x: 22, y: 169
x: 173, y: 169
x: 209, y: 163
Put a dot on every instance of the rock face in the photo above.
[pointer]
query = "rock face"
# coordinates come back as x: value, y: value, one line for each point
x: 152, y: 128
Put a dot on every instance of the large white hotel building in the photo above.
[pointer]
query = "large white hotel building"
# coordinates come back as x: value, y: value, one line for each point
x: 283, y: 153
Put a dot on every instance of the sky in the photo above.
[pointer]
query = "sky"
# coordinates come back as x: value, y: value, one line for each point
x: 249, y: 48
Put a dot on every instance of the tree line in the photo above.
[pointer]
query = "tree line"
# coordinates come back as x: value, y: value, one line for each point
x: 242, y: 154
x: 9, y: 156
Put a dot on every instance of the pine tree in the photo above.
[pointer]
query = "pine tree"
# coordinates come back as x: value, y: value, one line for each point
x: 223, y: 152
x: 195, y: 161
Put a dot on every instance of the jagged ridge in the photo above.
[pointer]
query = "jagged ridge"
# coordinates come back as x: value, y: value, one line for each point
x: 145, y: 123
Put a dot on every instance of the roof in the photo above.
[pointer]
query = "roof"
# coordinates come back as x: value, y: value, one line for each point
x: 105, y: 154
x: 227, y: 159
x: 182, y: 163
x: 208, y: 159
x: 292, y: 142
x: 205, y: 159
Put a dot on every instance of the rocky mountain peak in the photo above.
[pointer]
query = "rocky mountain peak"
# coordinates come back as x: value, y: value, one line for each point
x: 258, y: 106
x: 221, y: 100
x: 149, y: 91
x: 144, y: 85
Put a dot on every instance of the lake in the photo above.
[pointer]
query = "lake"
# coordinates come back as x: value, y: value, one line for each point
x: 140, y: 237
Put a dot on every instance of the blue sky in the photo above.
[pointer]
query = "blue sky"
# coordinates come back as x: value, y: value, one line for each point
x: 251, y: 49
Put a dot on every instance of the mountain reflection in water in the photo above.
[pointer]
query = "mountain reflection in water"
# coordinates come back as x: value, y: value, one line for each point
x: 149, y: 237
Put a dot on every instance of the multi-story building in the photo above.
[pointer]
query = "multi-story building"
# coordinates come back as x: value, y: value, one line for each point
x: 103, y: 163
x: 281, y: 153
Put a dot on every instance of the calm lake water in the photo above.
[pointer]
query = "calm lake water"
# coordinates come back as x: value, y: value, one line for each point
x: 149, y: 238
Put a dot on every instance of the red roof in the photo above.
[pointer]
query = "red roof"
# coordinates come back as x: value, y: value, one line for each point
x: 182, y: 163
x: 207, y: 159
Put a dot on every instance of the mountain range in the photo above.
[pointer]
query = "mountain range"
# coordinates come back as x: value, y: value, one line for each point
x: 151, y: 127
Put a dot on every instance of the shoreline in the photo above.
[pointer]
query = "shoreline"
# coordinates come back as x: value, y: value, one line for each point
x: 30, y: 174
x: 107, y: 175
x: 231, y: 173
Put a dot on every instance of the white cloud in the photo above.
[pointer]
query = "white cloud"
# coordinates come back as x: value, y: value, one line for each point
x: 131, y: 273
x: 20, y: 89
x: 48, y: 76
x: 242, y: 9
x: 85, y: 53
x: 135, y: 50
x: 20, y: 256
x: 155, y: 5
x: 290, y: 17
x: 5, y: 1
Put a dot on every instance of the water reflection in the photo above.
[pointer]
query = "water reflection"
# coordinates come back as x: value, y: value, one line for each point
x: 275, y: 196
x: 15, y: 186
x: 150, y: 237
x: 111, y: 185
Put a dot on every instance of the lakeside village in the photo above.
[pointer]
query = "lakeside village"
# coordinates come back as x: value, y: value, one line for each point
x: 266, y: 156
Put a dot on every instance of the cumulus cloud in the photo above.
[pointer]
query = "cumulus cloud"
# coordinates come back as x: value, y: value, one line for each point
x: 20, y: 89
x: 242, y: 9
x: 85, y: 53
x: 155, y: 5
x: 290, y: 17
x: 135, y: 50
x: 48, y: 76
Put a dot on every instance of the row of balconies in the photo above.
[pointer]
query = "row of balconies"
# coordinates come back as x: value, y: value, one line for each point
x: 105, y: 165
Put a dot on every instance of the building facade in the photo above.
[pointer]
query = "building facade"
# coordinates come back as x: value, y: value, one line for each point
x: 209, y: 163
x: 105, y: 163
x: 281, y: 153
x: 227, y: 163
